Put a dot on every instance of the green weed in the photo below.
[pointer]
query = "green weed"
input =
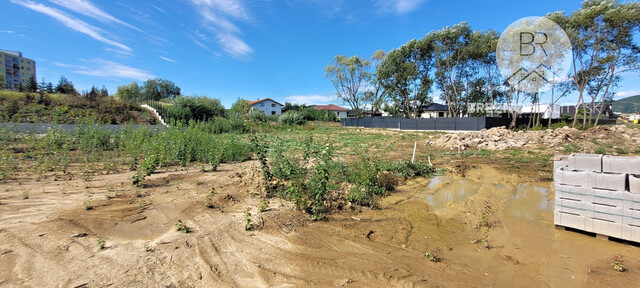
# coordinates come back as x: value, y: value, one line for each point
x: 180, y: 226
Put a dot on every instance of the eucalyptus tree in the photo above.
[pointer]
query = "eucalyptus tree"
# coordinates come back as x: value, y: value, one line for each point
x: 348, y: 75
x: 406, y: 74
x: 454, y: 69
x: 486, y: 87
x: 375, y: 94
x: 621, y: 22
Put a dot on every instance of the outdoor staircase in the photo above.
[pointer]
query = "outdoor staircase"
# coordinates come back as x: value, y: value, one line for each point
x: 155, y: 113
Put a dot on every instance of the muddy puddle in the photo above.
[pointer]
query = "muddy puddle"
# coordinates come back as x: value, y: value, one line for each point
x: 526, y: 202
x: 530, y: 202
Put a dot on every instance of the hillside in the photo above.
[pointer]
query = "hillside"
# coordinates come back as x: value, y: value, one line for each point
x: 20, y: 107
x: 627, y: 105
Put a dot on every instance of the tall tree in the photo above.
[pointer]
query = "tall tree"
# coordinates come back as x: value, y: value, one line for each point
x: 375, y: 94
x: 43, y: 85
x: 453, y: 58
x: 3, y: 82
x: 485, y: 87
x: 32, y: 84
x: 405, y: 74
x: 621, y: 22
x: 157, y: 89
x: 65, y: 87
x: 239, y: 109
x: 348, y: 74
x: 131, y: 92
x: 104, y: 92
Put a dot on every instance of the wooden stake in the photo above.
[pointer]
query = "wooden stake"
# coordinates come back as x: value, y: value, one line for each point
x: 413, y: 158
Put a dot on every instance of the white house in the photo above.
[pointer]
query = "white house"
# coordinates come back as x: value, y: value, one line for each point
x: 268, y: 106
x: 339, y: 111
x: 435, y: 110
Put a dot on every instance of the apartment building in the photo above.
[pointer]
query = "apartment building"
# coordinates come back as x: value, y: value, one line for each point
x: 16, y: 69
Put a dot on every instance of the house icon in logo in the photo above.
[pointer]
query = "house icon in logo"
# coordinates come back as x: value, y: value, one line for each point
x: 537, y: 75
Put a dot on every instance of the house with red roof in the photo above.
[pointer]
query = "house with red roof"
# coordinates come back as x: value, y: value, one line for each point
x: 339, y: 111
x: 267, y: 105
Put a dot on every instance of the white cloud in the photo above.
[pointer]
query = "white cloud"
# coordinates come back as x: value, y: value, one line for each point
x: 312, y: 99
x: 625, y: 94
x: 217, y: 16
x: 7, y: 31
x: 72, y: 23
x: 167, y: 59
x: 87, y: 8
x: 398, y: 6
x: 104, y: 68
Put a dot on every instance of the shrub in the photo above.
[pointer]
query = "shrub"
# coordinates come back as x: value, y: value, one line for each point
x: 11, y: 109
x: 257, y: 115
x: 560, y: 125
x: 292, y: 118
x: 195, y: 108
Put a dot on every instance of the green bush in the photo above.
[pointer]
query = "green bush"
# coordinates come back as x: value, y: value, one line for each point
x: 195, y: 108
x: 257, y: 115
x: 292, y: 118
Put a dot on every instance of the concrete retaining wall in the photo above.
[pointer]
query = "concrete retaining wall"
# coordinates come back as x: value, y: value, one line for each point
x: 598, y: 194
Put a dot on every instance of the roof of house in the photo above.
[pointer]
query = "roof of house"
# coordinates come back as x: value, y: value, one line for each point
x: 330, y: 107
x: 437, y: 107
x: 265, y: 99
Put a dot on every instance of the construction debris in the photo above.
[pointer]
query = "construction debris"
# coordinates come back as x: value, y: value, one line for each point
x: 501, y: 138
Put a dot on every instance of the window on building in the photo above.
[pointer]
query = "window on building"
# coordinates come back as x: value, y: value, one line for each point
x: 21, y: 60
x: 273, y: 105
x: 261, y: 104
x: 273, y: 112
x: 440, y: 114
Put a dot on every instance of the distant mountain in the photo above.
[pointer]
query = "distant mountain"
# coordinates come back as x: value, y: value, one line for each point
x: 627, y: 105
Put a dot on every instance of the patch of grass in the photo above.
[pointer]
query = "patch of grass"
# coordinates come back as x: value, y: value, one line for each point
x: 600, y: 150
x: 263, y: 206
x: 100, y: 243
x: 618, y: 263
x: 248, y: 223
x: 209, y: 200
x: 571, y: 148
x: 180, y: 226
x: 433, y: 255
x: 622, y: 151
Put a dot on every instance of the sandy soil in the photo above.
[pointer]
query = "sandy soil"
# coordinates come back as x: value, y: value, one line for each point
x: 50, y: 239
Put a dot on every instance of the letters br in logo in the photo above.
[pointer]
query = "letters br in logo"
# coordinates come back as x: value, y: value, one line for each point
x: 533, y: 54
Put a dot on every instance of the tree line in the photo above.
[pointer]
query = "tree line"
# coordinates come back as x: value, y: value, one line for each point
x: 460, y: 64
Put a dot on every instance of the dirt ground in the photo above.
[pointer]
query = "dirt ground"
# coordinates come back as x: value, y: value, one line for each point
x: 493, y: 227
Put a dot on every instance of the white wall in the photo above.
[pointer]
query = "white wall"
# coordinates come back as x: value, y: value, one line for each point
x: 434, y: 114
x: 340, y: 114
x: 268, y: 107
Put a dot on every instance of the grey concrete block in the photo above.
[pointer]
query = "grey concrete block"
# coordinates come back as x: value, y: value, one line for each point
x: 633, y: 201
x: 630, y: 232
x: 576, y: 207
x: 619, y: 164
x: 579, y: 193
x: 611, y: 198
x: 609, y: 213
x: 610, y: 181
x: 631, y: 217
x: 608, y: 228
x: 570, y: 220
x: 634, y: 183
x: 573, y: 177
x: 591, y: 162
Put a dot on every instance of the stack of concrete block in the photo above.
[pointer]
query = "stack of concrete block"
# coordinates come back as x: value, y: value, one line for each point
x: 599, y: 194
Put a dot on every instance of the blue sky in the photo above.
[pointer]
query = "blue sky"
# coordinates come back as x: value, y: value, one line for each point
x: 235, y: 48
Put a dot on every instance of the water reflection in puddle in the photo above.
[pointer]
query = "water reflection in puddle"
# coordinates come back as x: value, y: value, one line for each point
x: 455, y: 191
x: 530, y: 202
